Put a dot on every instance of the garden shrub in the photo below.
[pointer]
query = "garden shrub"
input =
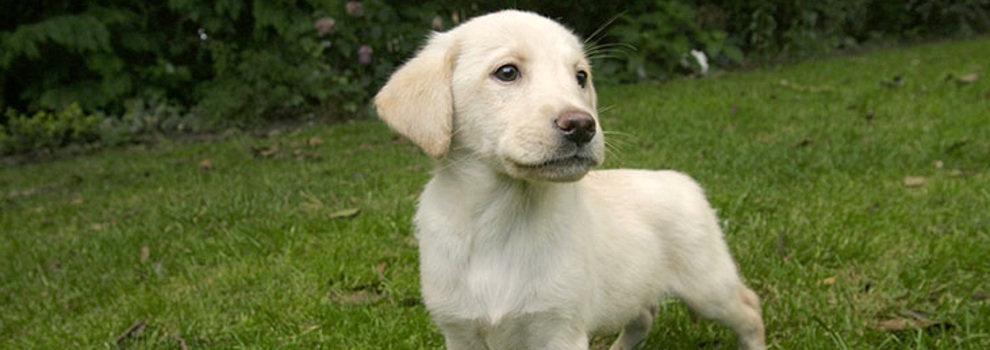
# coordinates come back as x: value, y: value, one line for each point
x: 661, y: 34
x: 184, y: 65
x: 45, y: 130
x: 796, y: 28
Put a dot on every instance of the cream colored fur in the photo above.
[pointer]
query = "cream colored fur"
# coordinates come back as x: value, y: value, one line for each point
x: 521, y: 245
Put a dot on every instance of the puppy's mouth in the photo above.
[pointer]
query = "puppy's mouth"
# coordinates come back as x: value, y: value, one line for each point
x: 563, y: 162
x: 560, y: 169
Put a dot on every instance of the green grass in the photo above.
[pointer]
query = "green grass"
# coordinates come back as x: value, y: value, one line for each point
x: 805, y: 163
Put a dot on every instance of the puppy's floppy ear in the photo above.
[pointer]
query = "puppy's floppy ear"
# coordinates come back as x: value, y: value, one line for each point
x: 417, y: 101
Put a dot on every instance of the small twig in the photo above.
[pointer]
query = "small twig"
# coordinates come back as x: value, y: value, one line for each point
x: 182, y: 342
x: 133, y: 331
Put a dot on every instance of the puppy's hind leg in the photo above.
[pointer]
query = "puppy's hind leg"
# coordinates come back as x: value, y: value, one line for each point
x: 737, y: 307
x: 636, y: 330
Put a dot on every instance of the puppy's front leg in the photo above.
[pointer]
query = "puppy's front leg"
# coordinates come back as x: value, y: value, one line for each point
x: 531, y: 337
x: 538, y: 331
x: 579, y: 342
x: 462, y: 337
x: 568, y: 341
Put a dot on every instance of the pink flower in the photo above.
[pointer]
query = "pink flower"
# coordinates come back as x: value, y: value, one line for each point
x: 364, y: 54
x: 325, y: 25
x: 354, y: 8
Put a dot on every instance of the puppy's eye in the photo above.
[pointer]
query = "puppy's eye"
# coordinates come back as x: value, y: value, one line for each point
x: 507, y: 73
x: 582, y: 78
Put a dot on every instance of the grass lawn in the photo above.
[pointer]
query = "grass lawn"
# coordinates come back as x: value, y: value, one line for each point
x: 854, y: 192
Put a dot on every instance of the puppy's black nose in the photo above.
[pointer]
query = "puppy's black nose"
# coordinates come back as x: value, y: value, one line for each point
x: 577, y: 127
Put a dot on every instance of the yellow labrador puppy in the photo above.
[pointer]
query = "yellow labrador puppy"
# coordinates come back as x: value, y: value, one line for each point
x: 521, y: 247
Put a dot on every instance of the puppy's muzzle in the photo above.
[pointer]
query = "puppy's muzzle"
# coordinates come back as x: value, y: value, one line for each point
x: 577, y: 127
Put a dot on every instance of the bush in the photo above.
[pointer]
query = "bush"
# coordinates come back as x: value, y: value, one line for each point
x: 154, y: 115
x: 228, y: 61
x: 194, y: 64
x: 328, y: 57
x: 661, y: 35
x: 46, y: 131
x: 796, y: 29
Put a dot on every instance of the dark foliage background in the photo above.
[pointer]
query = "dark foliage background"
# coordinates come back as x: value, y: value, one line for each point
x: 106, y: 72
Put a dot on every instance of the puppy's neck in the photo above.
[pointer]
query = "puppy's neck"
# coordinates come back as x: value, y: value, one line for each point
x: 477, y: 190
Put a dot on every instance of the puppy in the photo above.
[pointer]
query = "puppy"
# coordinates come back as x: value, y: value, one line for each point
x: 521, y: 245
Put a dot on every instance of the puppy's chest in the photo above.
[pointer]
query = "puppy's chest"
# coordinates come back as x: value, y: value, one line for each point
x: 491, y: 272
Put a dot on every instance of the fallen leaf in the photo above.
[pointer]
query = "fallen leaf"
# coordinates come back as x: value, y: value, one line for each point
x: 22, y: 193
x: 768, y: 294
x: 312, y: 203
x: 968, y: 78
x: 829, y: 281
x: 980, y: 295
x: 914, y: 181
x: 939, y: 164
x: 314, y: 141
x: 265, y: 152
x: 961, y: 173
x: 311, y: 207
x: 345, y: 213
x: 206, y: 165
x: 900, y: 324
x: 362, y: 296
x: 145, y: 254
x: 78, y: 201
x: 894, y: 324
x: 310, y: 329
x: 380, y: 270
x: 765, y: 140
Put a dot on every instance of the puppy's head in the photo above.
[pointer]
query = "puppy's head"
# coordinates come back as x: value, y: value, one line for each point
x: 511, y: 89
